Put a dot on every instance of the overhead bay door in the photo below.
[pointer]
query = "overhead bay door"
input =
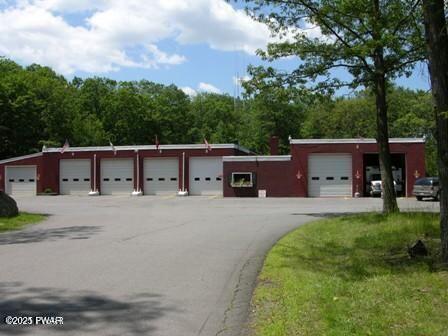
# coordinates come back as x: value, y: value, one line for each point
x: 21, y: 181
x: 74, y: 177
x: 330, y: 175
x: 161, y: 176
x: 117, y: 176
x: 206, y: 176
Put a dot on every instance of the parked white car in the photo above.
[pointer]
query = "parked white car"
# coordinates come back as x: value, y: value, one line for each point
x: 376, y: 188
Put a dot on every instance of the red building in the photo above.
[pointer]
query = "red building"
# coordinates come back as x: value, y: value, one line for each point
x: 314, y: 168
x: 323, y: 168
x: 119, y: 170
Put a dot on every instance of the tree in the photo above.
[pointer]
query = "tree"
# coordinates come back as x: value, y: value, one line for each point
x: 436, y: 32
x: 276, y: 110
x: 374, y: 40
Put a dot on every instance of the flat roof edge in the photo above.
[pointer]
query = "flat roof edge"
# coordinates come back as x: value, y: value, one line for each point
x: 18, y: 158
x: 352, y: 141
x: 254, y: 158
x: 149, y: 147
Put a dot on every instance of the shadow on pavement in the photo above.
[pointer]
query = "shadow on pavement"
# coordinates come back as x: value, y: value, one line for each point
x: 40, y: 235
x: 326, y: 214
x: 83, y: 312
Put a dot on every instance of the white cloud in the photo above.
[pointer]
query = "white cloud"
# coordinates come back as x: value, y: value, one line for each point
x: 118, y: 33
x: 189, y: 91
x: 207, y: 87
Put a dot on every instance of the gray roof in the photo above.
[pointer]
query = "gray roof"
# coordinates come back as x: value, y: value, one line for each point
x: 256, y: 158
x: 17, y: 158
x: 352, y: 141
x: 149, y: 147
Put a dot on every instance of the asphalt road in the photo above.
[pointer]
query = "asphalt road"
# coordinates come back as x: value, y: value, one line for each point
x: 148, y: 265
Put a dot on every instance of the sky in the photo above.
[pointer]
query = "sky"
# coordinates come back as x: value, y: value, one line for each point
x: 199, y: 45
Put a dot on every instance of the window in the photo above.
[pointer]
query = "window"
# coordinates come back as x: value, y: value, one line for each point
x: 330, y: 178
x: 207, y: 178
x: 106, y: 179
x: 117, y: 179
x: 129, y: 179
x: 173, y: 179
x: 65, y: 180
x: 197, y: 178
x: 161, y: 179
x: 11, y: 180
x: 86, y: 180
x: 218, y: 179
x: 242, y: 180
x: 31, y: 180
x: 76, y: 179
x: 149, y: 179
x: 344, y: 178
x: 315, y: 178
x: 21, y: 180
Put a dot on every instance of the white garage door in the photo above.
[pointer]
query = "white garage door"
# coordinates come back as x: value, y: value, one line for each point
x: 206, y: 176
x: 330, y: 175
x: 74, y: 177
x: 117, y: 176
x: 161, y: 176
x: 21, y: 181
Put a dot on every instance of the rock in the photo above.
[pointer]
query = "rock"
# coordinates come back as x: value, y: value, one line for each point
x: 8, y: 206
x: 418, y: 249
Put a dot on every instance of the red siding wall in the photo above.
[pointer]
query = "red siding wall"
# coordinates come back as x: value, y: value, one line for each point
x: 48, y: 164
x: 414, y: 152
x: 273, y: 176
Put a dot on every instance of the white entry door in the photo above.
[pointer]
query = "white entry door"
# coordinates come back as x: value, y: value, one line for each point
x: 20, y: 181
x: 117, y: 176
x: 330, y: 175
x: 206, y: 176
x: 161, y: 176
x: 74, y: 177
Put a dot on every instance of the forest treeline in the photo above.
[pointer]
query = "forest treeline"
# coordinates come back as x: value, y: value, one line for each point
x: 40, y: 107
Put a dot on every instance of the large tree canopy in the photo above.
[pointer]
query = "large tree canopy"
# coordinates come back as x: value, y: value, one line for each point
x: 375, y: 41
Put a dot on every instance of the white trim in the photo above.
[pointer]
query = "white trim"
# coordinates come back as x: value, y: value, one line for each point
x: 352, y: 141
x: 148, y: 147
x: 18, y: 158
x: 256, y: 158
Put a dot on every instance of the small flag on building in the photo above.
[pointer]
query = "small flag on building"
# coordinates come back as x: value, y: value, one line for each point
x: 66, y: 145
x: 207, y: 145
x: 112, y: 147
x: 157, y: 143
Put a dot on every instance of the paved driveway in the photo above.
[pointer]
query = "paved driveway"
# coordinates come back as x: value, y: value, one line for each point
x: 148, y: 265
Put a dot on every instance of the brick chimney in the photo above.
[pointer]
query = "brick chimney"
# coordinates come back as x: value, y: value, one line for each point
x: 273, y: 145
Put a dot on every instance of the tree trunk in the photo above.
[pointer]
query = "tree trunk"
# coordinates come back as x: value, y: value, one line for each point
x: 382, y: 130
x: 389, y: 198
x: 437, y: 46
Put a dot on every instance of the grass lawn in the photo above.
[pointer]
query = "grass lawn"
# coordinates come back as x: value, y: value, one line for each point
x: 15, y: 223
x: 352, y: 276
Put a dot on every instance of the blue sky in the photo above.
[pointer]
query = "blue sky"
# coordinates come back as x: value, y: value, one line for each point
x: 199, y: 45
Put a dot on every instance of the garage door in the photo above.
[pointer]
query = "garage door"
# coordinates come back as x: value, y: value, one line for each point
x: 161, y: 176
x: 117, y: 176
x: 330, y: 175
x: 21, y: 181
x: 74, y: 177
x: 206, y: 176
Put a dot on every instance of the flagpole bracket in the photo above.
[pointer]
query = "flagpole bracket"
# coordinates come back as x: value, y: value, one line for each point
x: 137, y: 193
x: 182, y: 193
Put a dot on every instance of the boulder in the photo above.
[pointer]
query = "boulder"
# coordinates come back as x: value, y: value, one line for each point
x: 418, y: 249
x: 8, y: 206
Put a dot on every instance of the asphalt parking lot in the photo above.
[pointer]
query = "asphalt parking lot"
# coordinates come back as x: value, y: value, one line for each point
x: 148, y: 265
